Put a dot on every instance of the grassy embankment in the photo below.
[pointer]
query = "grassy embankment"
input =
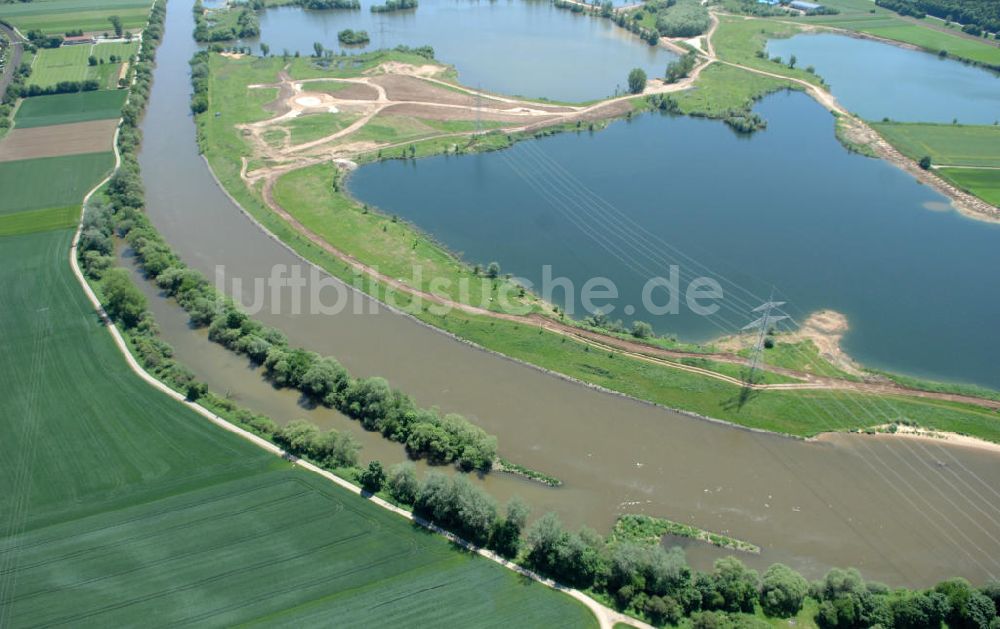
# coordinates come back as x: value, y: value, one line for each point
x: 59, y: 16
x: 136, y: 502
x: 973, y: 150
x: 797, y: 413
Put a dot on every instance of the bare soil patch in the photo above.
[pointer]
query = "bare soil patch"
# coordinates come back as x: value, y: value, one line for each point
x: 410, y: 88
x: 431, y: 112
x: 94, y: 136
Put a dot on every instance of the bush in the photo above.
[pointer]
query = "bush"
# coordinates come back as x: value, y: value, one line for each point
x: 372, y: 478
x: 402, y: 482
x: 782, y: 591
x: 636, y: 80
x: 123, y: 301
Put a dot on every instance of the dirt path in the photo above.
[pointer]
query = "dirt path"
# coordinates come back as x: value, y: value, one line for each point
x: 633, y: 349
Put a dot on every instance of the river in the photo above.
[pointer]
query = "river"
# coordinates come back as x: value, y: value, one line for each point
x: 904, y: 513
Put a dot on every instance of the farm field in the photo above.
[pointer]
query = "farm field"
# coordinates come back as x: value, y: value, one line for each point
x: 137, y: 507
x: 982, y: 182
x: 59, y: 16
x: 41, y: 111
x: 31, y: 221
x: 56, y: 140
x: 50, y: 181
x: 955, y: 145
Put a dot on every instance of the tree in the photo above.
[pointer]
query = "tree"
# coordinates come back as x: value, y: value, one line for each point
x: 493, y: 270
x: 124, y: 301
x: 317, y: 49
x: 92, y: 60
x: 782, y: 591
x: 402, y: 482
x: 506, y: 536
x: 925, y: 162
x: 636, y: 80
x: 265, y: 50
x: 792, y: 61
x: 736, y: 584
x: 372, y: 478
x: 116, y: 23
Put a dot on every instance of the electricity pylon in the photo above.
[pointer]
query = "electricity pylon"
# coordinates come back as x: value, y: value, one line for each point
x: 763, y: 324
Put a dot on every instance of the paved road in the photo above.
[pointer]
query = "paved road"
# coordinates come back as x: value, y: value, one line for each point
x: 14, y: 62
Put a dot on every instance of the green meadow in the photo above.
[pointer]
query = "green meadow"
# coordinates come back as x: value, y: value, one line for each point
x: 124, y: 506
x: 70, y: 63
x: 50, y: 181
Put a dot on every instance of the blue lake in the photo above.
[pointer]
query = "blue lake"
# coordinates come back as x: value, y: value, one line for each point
x: 877, y: 80
x: 788, y: 208
x: 523, y: 47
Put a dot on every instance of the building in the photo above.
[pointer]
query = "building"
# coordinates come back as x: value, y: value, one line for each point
x: 76, y: 40
x: 801, y: 5
x: 769, y: 2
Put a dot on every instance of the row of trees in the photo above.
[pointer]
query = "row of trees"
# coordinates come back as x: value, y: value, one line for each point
x: 126, y: 304
x: 655, y: 583
x: 981, y: 15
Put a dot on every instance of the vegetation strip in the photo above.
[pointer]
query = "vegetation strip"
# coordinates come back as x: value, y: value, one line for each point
x: 645, y: 528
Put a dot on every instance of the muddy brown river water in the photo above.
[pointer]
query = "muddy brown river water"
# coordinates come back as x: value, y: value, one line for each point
x: 905, y: 513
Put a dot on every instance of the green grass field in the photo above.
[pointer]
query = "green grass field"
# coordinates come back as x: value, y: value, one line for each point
x: 50, y: 181
x: 60, y: 64
x: 982, y: 182
x: 122, y: 506
x: 721, y: 88
x: 738, y: 40
x: 946, y: 144
x: 59, y: 16
x: 42, y: 111
x: 70, y: 63
x: 31, y: 221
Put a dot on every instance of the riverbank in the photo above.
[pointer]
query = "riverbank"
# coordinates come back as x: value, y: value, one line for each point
x: 313, y: 226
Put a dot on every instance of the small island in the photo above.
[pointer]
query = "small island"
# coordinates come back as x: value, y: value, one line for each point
x: 349, y: 37
x: 394, y: 5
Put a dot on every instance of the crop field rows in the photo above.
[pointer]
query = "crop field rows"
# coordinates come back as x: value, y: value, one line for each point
x: 59, y: 16
x: 137, y: 508
x: 50, y: 181
x: 41, y: 111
